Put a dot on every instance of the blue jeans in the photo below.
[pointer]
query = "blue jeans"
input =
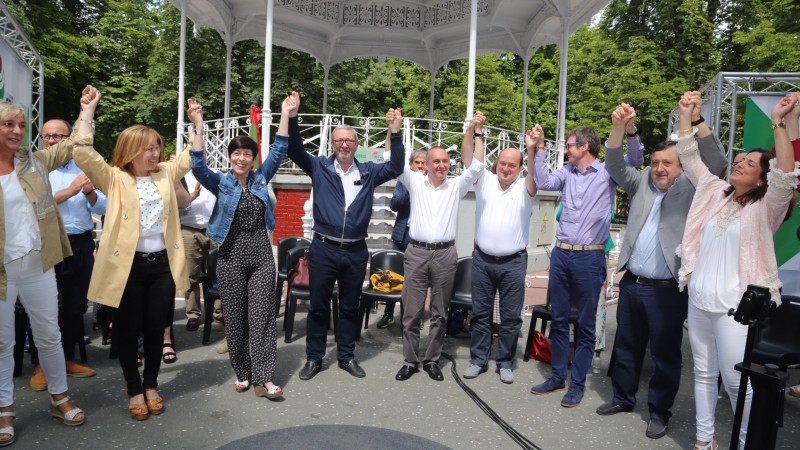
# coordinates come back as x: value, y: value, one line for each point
x: 489, y: 275
x: 576, y: 278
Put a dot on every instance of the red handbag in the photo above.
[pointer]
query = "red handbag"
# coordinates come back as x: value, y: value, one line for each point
x: 541, y: 349
x: 298, y: 276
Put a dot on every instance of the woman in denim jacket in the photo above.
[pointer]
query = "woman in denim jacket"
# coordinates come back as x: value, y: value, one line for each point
x: 240, y: 225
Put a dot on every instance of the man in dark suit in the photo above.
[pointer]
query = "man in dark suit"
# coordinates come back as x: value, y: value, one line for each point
x: 343, y: 192
x: 651, y: 308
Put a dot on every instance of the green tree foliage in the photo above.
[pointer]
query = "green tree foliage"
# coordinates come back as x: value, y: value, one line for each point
x: 643, y: 52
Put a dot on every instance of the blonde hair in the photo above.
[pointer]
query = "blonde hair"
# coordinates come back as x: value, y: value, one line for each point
x: 10, y: 110
x: 131, y: 143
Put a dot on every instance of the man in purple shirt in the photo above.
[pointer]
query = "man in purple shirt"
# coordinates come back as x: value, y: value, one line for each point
x: 577, y: 264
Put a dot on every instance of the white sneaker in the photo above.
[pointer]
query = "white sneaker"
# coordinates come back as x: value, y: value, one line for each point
x: 473, y: 371
x: 506, y: 375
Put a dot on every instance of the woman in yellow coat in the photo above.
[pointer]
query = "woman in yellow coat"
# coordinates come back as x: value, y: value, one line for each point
x: 140, y: 260
x: 32, y: 242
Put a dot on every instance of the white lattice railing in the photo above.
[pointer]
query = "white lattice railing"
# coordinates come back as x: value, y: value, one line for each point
x: 316, y: 130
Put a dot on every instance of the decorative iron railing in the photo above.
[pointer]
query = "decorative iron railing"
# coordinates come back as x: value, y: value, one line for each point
x: 316, y: 129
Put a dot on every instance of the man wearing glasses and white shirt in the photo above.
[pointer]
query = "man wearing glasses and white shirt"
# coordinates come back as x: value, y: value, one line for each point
x: 77, y: 199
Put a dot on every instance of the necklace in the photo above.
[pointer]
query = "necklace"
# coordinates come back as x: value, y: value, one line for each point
x: 729, y: 214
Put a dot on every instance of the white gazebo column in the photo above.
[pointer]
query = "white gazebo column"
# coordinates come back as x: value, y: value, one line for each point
x: 562, y: 88
x: 266, y: 113
x: 181, y: 79
x: 473, y: 41
x: 228, y: 56
x: 525, y: 94
x: 326, y: 70
x: 432, y: 95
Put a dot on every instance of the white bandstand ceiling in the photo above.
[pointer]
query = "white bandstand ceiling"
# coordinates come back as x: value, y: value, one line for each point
x: 427, y: 32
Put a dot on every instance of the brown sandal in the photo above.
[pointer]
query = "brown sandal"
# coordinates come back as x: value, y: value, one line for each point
x: 139, y: 411
x: 155, y: 406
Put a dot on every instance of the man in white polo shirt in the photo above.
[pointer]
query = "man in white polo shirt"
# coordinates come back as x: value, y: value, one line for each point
x: 504, y: 202
x: 430, y: 258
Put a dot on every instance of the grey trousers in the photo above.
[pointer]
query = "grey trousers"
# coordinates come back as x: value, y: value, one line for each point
x: 423, y: 267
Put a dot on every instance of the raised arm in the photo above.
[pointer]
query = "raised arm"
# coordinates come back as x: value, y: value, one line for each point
x: 205, y: 176
x: 394, y: 122
x: 473, y: 141
x: 634, y: 156
x: 534, y: 140
x: 621, y: 171
x: 86, y: 158
x: 545, y: 180
x: 698, y: 173
x: 783, y: 147
x: 83, y: 134
x: 195, y: 114
x: 711, y: 150
x: 289, y: 108
x: 793, y: 126
x: 296, y: 152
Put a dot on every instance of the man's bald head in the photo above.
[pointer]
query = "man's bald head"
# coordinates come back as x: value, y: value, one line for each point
x: 54, y: 131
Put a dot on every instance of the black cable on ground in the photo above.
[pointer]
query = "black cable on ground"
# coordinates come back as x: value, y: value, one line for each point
x: 515, y: 435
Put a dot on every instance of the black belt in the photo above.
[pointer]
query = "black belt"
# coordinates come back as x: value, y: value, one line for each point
x: 335, y: 243
x: 431, y: 245
x: 202, y: 230
x: 668, y: 282
x: 152, y: 256
x: 86, y: 235
x: 499, y: 259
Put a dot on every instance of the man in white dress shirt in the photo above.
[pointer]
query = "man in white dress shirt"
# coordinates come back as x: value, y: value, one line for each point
x: 430, y: 258
x: 500, y: 260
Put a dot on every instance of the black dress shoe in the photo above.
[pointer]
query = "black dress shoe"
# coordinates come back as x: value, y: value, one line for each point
x: 192, y: 324
x: 433, y: 371
x: 405, y: 372
x: 656, y: 429
x: 610, y: 408
x: 352, y: 368
x: 309, y: 370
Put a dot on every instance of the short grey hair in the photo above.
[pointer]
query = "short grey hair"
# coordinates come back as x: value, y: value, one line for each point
x: 345, y: 127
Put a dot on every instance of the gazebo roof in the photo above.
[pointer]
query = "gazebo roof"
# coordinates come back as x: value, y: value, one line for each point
x: 427, y: 32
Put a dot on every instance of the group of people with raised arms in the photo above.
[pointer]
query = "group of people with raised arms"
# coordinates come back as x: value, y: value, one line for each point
x: 725, y: 243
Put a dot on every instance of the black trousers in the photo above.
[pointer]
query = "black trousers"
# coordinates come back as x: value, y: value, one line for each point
x: 148, y: 297
x: 649, y: 314
x: 347, y: 268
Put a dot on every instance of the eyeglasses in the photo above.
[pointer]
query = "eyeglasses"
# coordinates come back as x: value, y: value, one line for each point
x: 572, y: 144
x: 344, y: 141
x: 240, y: 154
x: 55, y: 137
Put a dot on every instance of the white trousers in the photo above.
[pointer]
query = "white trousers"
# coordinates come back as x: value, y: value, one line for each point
x: 718, y: 344
x: 39, y: 295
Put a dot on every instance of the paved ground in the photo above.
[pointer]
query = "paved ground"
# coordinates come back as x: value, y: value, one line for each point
x: 204, y: 411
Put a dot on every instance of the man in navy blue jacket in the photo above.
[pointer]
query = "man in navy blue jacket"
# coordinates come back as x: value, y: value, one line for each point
x: 343, y: 194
